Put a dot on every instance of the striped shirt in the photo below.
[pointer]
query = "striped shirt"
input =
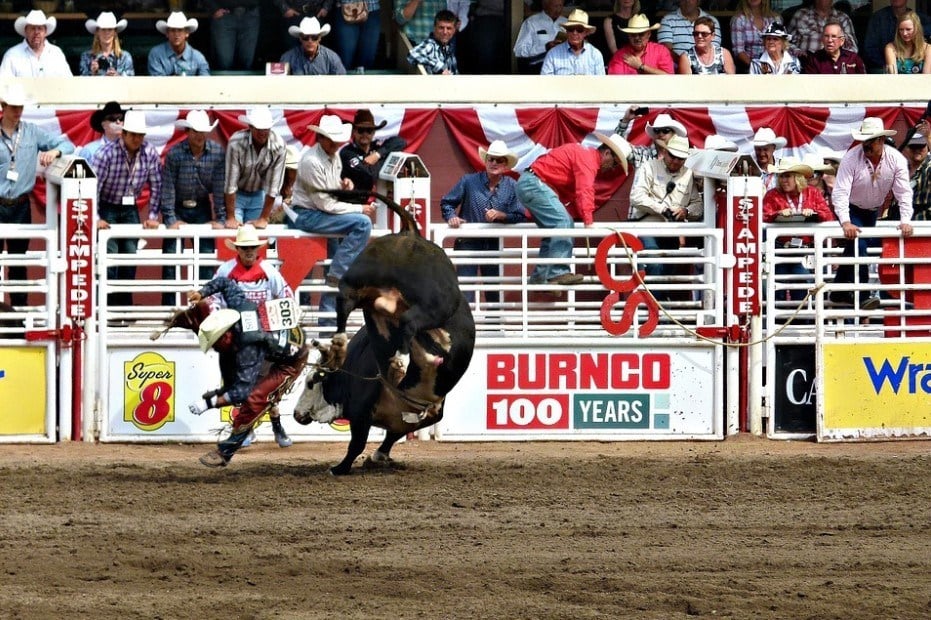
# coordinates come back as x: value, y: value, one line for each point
x: 561, y: 60
x: 807, y: 26
x: 187, y: 178
x: 250, y: 171
x: 119, y: 176
x: 676, y: 30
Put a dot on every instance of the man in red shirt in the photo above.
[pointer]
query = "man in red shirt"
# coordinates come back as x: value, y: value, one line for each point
x: 565, y: 175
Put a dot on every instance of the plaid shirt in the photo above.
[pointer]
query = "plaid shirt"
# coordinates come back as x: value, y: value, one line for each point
x: 745, y: 38
x: 807, y: 26
x: 639, y: 154
x: 251, y: 171
x: 434, y: 56
x: 561, y: 60
x: 117, y: 176
x: 186, y: 178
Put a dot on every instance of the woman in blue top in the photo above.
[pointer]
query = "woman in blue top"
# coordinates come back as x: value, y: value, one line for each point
x: 106, y: 56
x: 908, y: 52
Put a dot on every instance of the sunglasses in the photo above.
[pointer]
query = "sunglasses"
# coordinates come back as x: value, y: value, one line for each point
x: 497, y: 160
x: 114, y: 118
x: 675, y: 157
x: 663, y: 130
x: 575, y: 29
x: 701, y: 34
x: 310, y: 37
x: 365, y: 129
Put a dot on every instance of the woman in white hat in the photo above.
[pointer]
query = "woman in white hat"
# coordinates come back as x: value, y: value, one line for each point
x: 775, y: 59
x: 641, y: 56
x: 106, y: 55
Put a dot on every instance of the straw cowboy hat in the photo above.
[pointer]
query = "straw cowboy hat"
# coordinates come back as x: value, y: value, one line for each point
x: 111, y: 108
x: 134, y: 122
x: 618, y: 145
x: 871, y: 127
x: 775, y: 29
x: 765, y: 136
x: 639, y: 23
x: 716, y: 142
x: 105, y: 20
x: 35, y: 18
x: 815, y: 161
x: 246, y: 237
x: 498, y: 149
x: 259, y: 117
x: 14, y: 95
x: 790, y: 164
x: 577, y: 17
x: 309, y: 26
x: 678, y: 146
x: 365, y: 119
x: 332, y: 127
x: 176, y: 20
x: 198, y: 121
x: 664, y: 121
x: 214, y: 326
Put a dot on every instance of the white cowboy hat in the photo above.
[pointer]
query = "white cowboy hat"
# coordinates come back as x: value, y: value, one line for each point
x: 664, y: 121
x: 815, y: 161
x: 14, y: 95
x: 309, y: 26
x: 498, y: 149
x: 259, y: 117
x: 639, y: 23
x: 618, y: 145
x: 577, y: 17
x: 134, y: 122
x: 765, y: 136
x: 716, y: 142
x: 246, y: 237
x: 35, y: 18
x: 332, y: 127
x: 678, y: 146
x: 105, y: 20
x: 176, y: 20
x: 214, y: 326
x: 292, y: 158
x: 871, y: 127
x: 198, y: 121
x: 790, y: 164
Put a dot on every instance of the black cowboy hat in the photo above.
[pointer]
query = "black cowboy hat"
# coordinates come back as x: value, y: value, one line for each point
x: 364, y: 118
x: 111, y: 107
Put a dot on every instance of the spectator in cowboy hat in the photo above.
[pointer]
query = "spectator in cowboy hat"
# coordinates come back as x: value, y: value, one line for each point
x: 765, y: 142
x: 35, y: 56
x: 255, y: 162
x: 175, y: 56
x: 640, y: 55
x: 106, y: 56
x: 576, y: 56
x: 776, y: 58
x: 364, y: 156
x: 107, y: 121
x: 538, y: 34
x: 660, y: 130
x: 485, y: 197
x: 18, y: 163
x: 310, y: 57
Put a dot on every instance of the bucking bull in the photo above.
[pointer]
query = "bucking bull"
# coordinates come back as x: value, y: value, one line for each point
x: 416, y: 344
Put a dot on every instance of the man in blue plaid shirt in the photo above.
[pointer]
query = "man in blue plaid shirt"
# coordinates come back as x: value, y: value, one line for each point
x: 437, y: 54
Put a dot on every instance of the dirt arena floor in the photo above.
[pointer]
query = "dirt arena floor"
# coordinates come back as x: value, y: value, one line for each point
x: 745, y: 528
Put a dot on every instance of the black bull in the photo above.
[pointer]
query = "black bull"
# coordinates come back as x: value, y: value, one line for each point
x: 416, y: 344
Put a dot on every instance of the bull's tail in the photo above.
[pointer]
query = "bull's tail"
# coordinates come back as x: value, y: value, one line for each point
x: 407, y: 218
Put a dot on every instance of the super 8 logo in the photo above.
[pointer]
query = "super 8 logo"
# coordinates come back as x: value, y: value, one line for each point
x: 534, y: 391
x: 148, y: 391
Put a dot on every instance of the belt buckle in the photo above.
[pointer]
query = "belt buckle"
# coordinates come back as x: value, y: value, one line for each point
x: 188, y: 204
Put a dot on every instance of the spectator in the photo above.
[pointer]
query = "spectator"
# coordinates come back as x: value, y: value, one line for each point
x: 705, y: 58
x: 751, y: 18
x: 435, y: 53
x: 24, y: 146
x: 660, y: 130
x: 234, y: 32
x: 255, y: 159
x: 537, y: 36
x: 363, y: 158
x: 562, y: 176
x: 175, y: 56
x: 675, y: 30
x: 919, y: 171
x: 908, y: 52
x: 108, y: 121
x: 357, y: 42
x: 312, y: 58
x: 640, y: 55
x: 664, y: 190
x: 776, y: 59
x: 483, y: 47
x: 614, y: 24
x: 293, y: 11
x: 123, y: 169
x: 460, y: 8
x: 865, y: 177
x: 807, y: 28
x: 575, y: 56
x: 792, y: 198
x: 484, y: 197
x: 765, y: 142
x: 819, y: 167
x: 882, y: 29
x: 35, y: 56
x: 192, y: 188
x: 832, y: 57
x: 106, y: 56
x: 415, y: 17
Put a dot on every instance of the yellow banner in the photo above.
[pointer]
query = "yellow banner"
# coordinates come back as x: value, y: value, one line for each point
x: 23, y: 390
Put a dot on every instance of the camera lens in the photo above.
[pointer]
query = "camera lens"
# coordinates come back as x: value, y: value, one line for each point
x: 103, y: 64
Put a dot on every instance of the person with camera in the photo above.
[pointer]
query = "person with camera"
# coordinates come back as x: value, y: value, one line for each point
x: 106, y: 55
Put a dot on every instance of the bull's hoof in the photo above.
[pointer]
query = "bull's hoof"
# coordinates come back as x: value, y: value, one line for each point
x: 381, y: 461
x: 339, y: 470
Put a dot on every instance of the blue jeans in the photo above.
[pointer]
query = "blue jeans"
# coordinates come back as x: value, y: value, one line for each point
x: 357, y: 44
x: 548, y: 212
x: 356, y: 228
x: 469, y: 244
x: 233, y: 38
x: 118, y: 214
x: 864, y: 218
x: 249, y: 205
